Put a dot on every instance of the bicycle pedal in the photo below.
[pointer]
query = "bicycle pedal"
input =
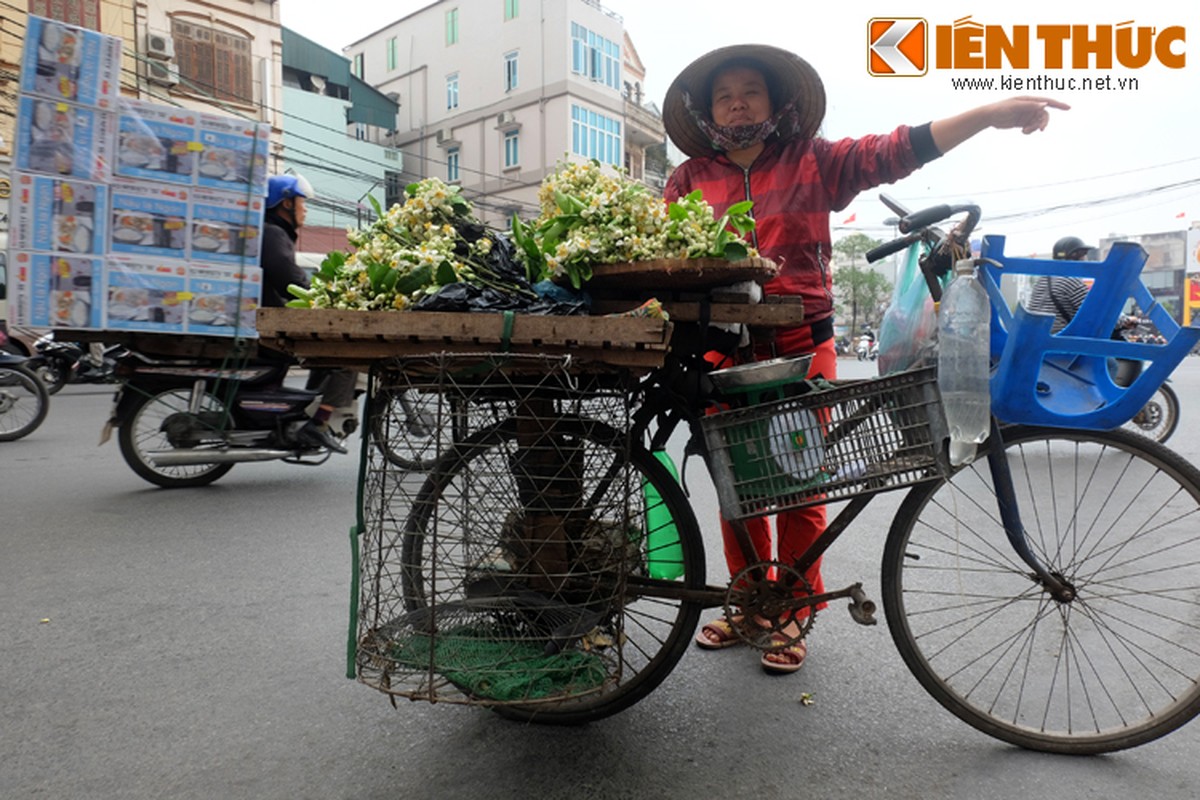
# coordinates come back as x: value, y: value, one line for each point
x: 862, y: 608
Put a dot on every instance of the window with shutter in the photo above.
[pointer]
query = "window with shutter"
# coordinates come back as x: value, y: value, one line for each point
x: 84, y: 13
x: 214, y: 62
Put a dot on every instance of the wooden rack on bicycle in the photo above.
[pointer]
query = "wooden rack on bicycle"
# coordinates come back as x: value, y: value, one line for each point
x: 690, y: 291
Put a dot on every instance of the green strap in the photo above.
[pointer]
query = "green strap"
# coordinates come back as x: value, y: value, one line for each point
x: 506, y: 333
x: 352, y: 634
x: 358, y: 527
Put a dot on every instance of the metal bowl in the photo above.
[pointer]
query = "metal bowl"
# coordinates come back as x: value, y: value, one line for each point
x: 758, y: 373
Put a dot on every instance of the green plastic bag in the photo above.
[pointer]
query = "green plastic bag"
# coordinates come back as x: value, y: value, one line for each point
x: 908, y: 333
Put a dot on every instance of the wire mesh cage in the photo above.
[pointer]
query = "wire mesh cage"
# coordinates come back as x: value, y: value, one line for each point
x: 495, y: 553
x: 801, y: 444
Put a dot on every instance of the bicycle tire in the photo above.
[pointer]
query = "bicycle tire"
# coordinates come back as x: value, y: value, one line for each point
x: 650, y: 634
x: 24, y: 403
x: 1159, y: 418
x: 408, y: 442
x: 141, y: 433
x: 1118, y: 666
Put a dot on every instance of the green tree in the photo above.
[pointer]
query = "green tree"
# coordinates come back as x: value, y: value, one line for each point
x: 858, y: 286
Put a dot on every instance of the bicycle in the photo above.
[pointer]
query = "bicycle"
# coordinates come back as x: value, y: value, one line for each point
x: 24, y: 401
x: 547, y: 529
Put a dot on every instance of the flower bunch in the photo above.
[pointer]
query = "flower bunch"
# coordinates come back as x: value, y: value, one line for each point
x: 411, y: 251
x: 591, y: 217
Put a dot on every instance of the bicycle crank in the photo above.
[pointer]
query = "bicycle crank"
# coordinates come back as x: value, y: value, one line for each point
x: 767, y: 601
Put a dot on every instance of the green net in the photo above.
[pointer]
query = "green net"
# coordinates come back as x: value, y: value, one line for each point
x: 491, y: 667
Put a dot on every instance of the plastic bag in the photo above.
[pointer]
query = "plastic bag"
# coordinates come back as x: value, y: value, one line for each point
x: 908, y: 333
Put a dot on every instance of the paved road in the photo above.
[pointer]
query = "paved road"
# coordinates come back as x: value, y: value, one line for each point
x: 191, y: 644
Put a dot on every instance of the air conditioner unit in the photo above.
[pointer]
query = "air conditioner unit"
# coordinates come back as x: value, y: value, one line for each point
x: 444, y: 135
x: 159, y: 45
x: 506, y: 118
x: 164, y: 73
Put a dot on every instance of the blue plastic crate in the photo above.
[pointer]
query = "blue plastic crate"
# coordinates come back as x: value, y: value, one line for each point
x: 1062, y: 379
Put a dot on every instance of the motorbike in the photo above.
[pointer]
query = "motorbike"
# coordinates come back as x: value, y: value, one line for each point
x: 23, y: 398
x: 58, y: 363
x: 187, y: 422
x: 1159, y: 418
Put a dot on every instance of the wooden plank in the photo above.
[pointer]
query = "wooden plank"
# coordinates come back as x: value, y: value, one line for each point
x: 479, y: 329
x: 361, y: 354
x: 681, y: 274
x: 784, y: 315
x: 169, y: 345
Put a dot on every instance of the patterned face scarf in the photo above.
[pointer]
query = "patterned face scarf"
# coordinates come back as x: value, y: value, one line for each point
x: 740, y: 137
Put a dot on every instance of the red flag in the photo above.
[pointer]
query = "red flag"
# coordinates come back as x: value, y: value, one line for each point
x: 853, y: 217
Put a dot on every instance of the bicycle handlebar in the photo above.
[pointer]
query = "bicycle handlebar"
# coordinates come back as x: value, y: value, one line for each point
x: 924, y: 218
x: 894, y: 246
x: 918, y: 226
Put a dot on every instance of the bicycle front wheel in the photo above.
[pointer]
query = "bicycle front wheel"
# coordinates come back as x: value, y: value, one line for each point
x: 1113, y: 514
x: 611, y: 579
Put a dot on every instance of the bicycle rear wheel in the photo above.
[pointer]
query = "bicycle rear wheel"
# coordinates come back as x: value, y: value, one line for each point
x: 1115, y: 515
x: 470, y: 518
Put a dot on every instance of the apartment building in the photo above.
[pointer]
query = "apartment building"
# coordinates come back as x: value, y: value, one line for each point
x: 492, y: 94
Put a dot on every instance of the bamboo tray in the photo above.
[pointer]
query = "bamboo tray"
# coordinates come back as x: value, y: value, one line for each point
x: 327, y: 337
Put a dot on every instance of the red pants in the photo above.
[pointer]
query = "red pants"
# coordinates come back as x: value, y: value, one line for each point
x: 798, y: 529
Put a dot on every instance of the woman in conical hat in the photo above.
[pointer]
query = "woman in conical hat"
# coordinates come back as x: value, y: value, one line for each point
x: 748, y: 117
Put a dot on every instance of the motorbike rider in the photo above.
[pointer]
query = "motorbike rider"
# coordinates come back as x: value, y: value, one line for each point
x: 1061, y: 295
x: 286, y: 210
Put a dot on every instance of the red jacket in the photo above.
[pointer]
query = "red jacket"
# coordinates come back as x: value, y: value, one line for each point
x: 794, y: 186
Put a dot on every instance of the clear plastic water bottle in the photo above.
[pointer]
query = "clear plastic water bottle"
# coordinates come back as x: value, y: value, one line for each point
x: 963, y: 348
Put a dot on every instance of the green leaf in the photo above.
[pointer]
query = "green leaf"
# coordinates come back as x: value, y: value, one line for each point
x: 743, y: 225
x: 414, y: 280
x: 738, y: 209
x: 389, y: 280
x: 446, y: 274
x: 568, y: 203
x: 376, y: 273
x: 552, y: 235
x: 299, y: 304
x: 299, y: 291
x: 676, y: 212
x: 375, y: 205
x: 694, y: 197
x: 534, y: 261
x: 331, y: 264
x: 735, y: 251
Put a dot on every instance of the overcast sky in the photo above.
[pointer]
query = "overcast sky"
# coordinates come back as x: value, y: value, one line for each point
x: 1120, y: 161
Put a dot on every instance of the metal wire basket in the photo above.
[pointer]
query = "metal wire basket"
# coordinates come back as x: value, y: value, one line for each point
x: 493, y: 573
x: 802, y: 444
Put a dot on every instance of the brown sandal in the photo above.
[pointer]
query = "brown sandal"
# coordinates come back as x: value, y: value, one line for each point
x: 794, y: 653
x: 717, y: 635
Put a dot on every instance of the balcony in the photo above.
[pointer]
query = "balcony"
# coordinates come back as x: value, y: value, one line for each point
x: 643, y: 125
